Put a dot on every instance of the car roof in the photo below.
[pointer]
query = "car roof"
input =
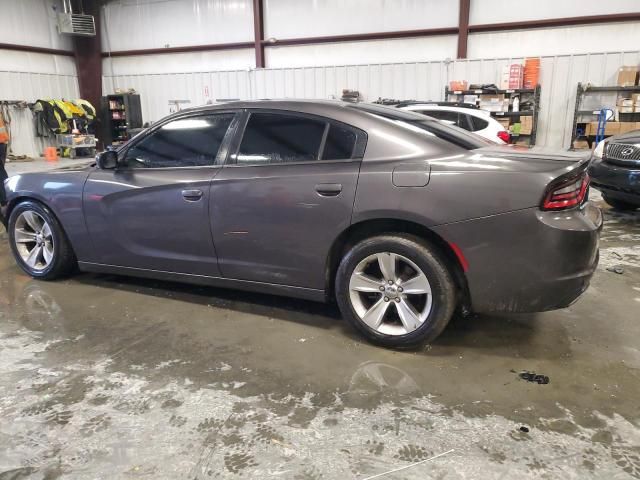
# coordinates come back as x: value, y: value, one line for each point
x: 284, y: 104
x: 357, y: 114
x: 298, y: 105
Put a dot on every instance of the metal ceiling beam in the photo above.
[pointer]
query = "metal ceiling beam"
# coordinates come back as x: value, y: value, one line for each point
x: 557, y: 22
x: 185, y: 49
x: 31, y: 49
x: 362, y: 36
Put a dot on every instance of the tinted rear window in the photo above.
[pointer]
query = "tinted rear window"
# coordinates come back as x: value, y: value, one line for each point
x: 280, y: 138
x: 478, y: 123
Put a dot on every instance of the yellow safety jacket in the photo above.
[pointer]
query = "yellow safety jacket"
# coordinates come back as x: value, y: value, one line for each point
x: 90, y: 112
x: 65, y: 108
x: 4, y: 132
x: 74, y: 109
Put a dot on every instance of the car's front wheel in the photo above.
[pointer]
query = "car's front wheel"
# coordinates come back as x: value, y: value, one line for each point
x: 38, y: 242
x: 396, y: 290
x: 619, y: 204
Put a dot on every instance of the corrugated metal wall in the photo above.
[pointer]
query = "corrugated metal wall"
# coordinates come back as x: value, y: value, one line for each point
x: 31, y: 87
x: 426, y: 80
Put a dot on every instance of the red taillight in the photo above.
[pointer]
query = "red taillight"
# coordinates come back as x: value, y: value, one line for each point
x: 504, y: 136
x: 567, y: 194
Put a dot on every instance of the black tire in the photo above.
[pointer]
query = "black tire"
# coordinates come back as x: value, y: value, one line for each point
x: 427, y: 258
x: 619, y: 204
x: 64, y: 260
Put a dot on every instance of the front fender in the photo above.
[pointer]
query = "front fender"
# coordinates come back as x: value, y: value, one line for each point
x: 61, y: 192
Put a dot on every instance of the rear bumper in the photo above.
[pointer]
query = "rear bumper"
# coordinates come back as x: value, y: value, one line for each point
x: 616, y: 181
x: 529, y: 260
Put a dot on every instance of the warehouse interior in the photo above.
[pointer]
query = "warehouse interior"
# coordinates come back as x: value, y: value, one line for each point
x: 106, y: 375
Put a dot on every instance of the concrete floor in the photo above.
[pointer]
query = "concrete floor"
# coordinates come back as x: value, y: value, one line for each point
x: 109, y: 377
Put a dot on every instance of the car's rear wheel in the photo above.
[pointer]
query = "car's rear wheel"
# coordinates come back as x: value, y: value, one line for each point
x: 39, y: 243
x: 396, y: 290
x: 619, y: 204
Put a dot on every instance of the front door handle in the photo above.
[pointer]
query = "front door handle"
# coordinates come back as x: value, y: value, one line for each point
x: 329, y: 189
x: 192, y: 195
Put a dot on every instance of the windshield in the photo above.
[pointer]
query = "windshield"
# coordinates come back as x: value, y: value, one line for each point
x: 408, y: 119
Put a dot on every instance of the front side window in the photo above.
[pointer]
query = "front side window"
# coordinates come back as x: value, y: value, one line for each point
x: 280, y: 138
x: 186, y: 142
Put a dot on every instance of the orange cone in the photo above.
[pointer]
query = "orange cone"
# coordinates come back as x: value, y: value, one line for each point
x: 51, y: 154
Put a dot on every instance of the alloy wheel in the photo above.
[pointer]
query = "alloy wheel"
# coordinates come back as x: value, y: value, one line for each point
x: 34, y: 240
x: 390, y: 293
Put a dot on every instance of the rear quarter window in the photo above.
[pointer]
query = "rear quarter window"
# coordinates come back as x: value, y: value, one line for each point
x: 450, y: 133
x: 478, y: 123
x: 340, y: 144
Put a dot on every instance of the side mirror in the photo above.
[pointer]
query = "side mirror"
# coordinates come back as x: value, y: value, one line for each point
x: 107, y: 160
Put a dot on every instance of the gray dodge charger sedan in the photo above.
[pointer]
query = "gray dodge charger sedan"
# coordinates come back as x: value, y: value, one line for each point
x: 399, y: 218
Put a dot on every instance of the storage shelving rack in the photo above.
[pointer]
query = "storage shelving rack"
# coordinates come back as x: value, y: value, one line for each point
x: 580, y: 113
x: 526, y: 95
x: 121, y: 113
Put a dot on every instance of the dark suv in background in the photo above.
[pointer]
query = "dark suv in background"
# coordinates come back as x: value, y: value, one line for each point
x: 615, y: 170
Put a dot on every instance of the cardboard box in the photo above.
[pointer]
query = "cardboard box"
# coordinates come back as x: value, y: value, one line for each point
x: 495, y: 107
x: 515, y: 76
x: 625, y: 109
x: 470, y: 99
x: 504, y: 78
x: 611, y: 128
x: 527, y: 125
x: 581, y: 145
x: 494, y: 103
x: 635, y: 98
x: 511, y: 76
x: 625, y: 102
x: 504, y: 122
x: 627, y: 76
x: 629, y: 126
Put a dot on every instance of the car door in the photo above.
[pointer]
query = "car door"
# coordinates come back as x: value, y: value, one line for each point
x: 284, y: 196
x: 152, y: 211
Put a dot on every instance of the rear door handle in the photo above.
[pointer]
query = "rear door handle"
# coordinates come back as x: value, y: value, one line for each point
x: 192, y: 195
x: 329, y: 189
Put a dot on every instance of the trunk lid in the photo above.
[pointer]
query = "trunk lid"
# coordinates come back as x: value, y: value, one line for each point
x: 535, y: 153
x: 510, y: 158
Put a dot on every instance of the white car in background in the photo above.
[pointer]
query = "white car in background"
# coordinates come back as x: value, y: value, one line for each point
x: 469, y: 118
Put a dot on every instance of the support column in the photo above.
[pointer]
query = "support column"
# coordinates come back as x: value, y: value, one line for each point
x: 258, y: 30
x: 463, y: 28
x: 87, y: 52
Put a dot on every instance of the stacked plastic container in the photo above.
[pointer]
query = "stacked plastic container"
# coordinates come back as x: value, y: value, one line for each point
x: 531, y: 72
